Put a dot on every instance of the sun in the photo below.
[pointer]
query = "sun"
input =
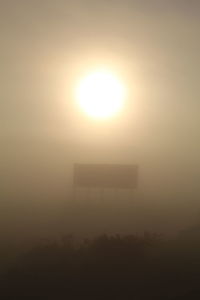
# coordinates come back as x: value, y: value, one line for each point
x: 100, y: 94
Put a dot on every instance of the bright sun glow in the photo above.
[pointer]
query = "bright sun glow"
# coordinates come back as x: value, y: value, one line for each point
x: 100, y: 94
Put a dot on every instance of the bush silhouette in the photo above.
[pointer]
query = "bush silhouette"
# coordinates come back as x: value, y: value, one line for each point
x: 140, y: 267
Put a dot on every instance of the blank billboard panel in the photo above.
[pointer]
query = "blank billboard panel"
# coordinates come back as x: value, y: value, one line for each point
x: 106, y: 176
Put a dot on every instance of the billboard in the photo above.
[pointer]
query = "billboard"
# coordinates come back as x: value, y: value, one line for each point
x: 106, y: 176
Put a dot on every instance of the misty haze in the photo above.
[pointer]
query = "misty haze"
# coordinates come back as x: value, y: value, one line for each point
x: 91, y: 91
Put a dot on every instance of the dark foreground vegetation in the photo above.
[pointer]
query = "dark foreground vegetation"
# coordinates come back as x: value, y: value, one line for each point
x: 107, y: 267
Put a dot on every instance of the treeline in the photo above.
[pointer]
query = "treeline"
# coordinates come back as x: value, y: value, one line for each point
x: 107, y: 267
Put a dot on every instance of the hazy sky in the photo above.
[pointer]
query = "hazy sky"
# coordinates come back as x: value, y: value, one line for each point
x: 155, y: 43
x: 155, y: 46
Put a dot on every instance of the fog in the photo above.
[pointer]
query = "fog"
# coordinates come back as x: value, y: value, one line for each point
x: 45, y: 48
